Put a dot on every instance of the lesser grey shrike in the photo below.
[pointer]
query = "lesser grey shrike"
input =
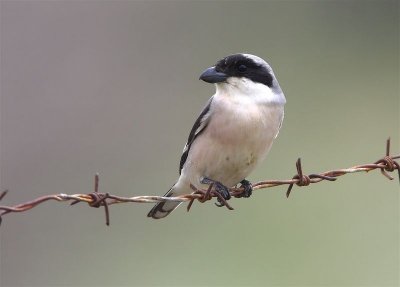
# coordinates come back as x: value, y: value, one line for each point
x: 233, y: 133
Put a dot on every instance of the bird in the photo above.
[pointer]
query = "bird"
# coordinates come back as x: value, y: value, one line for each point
x: 234, y: 131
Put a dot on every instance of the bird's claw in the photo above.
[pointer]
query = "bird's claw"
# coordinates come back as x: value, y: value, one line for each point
x: 220, y: 188
x: 248, y: 188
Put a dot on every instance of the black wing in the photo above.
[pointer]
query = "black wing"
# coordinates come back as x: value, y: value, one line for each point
x: 198, y: 127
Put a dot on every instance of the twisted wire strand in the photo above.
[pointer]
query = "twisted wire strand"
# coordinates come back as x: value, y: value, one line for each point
x: 386, y: 165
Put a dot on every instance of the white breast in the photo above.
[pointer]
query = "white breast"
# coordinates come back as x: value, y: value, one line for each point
x: 238, y: 136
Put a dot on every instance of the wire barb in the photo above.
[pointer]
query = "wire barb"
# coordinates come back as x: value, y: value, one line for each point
x: 96, y: 199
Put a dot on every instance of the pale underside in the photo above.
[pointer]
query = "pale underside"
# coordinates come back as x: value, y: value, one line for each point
x: 237, y: 137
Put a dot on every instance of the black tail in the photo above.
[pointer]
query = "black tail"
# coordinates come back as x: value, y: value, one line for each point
x: 162, y: 209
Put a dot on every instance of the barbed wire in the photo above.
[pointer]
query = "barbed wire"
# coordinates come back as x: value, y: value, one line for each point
x: 97, y: 199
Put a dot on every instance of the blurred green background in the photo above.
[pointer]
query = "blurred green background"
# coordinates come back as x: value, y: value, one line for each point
x: 112, y: 87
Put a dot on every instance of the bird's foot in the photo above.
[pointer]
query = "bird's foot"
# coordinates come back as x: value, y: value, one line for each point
x: 220, y: 188
x: 248, y: 189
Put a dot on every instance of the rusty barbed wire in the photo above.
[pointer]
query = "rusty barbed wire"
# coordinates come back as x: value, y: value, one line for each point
x: 97, y: 199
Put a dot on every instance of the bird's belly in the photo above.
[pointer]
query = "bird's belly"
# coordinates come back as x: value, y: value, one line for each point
x: 226, y: 163
x: 230, y: 148
x: 230, y: 165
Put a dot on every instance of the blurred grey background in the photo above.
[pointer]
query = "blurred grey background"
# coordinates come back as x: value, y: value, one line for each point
x: 112, y: 87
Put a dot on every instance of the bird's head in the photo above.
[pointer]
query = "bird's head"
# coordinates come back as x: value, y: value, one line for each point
x: 245, y: 73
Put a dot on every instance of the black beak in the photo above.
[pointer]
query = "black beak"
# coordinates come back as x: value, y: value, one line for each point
x: 212, y: 76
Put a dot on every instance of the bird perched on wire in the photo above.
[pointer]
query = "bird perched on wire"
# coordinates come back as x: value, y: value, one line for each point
x: 233, y: 133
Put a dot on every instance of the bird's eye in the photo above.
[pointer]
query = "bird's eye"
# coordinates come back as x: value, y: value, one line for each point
x: 242, y: 68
